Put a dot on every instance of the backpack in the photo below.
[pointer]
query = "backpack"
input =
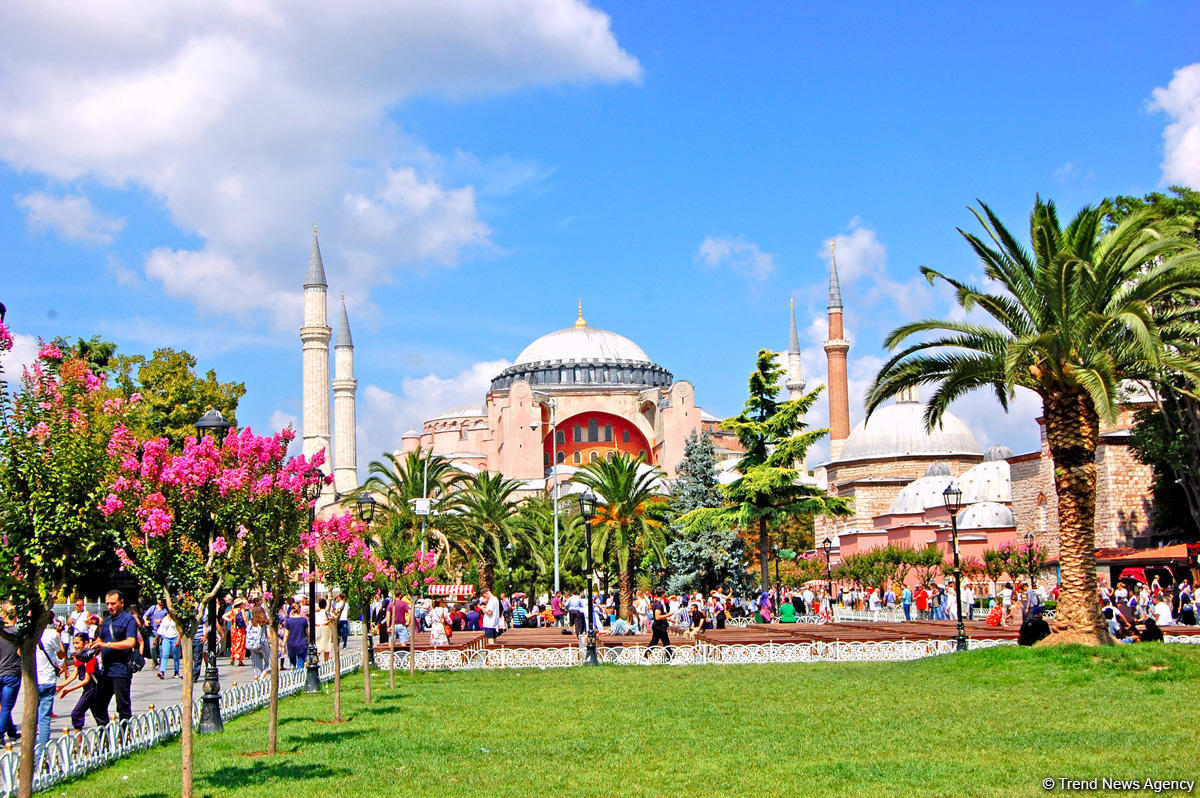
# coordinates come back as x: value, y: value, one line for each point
x: 256, y: 638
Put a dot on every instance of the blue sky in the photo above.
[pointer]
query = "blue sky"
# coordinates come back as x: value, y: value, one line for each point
x: 477, y: 168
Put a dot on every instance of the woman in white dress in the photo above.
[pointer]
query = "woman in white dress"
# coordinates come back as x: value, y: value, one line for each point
x: 324, y: 630
x: 438, y: 619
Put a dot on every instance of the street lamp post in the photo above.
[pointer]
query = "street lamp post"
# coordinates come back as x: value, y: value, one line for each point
x: 952, y: 498
x: 1029, y: 552
x: 312, y: 677
x: 587, y: 509
x: 777, y: 568
x: 365, y: 504
x: 550, y: 403
x: 827, y: 547
x: 210, y: 707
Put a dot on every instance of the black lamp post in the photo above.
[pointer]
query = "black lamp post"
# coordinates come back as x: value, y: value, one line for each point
x: 365, y: 504
x: 587, y: 509
x: 312, y: 677
x: 1029, y: 551
x: 952, y: 498
x: 210, y: 707
x: 827, y: 547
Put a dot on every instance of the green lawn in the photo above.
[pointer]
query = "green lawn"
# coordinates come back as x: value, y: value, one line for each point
x: 991, y: 722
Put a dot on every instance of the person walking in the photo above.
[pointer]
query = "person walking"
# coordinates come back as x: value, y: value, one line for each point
x: 324, y: 624
x: 47, y: 657
x: 235, y: 619
x: 295, y: 640
x: 576, y: 613
x: 660, y: 623
x: 397, y: 619
x: 341, y: 611
x: 493, y: 620
x: 83, y: 677
x: 10, y: 675
x: 151, y: 621
x: 168, y: 632
x: 117, y: 637
x: 258, y: 637
x: 439, y: 621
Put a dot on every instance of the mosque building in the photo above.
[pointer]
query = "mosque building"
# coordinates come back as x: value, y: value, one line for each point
x: 579, y: 394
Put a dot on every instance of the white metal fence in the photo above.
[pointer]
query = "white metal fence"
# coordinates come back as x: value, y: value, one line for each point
x: 68, y: 756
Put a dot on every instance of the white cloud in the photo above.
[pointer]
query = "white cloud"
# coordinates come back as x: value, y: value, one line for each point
x: 385, y: 416
x: 743, y: 256
x: 15, y: 360
x: 281, y: 420
x: 862, y: 258
x: 1181, y: 140
x: 72, y: 217
x: 123, y: 274
x: 250, y: 121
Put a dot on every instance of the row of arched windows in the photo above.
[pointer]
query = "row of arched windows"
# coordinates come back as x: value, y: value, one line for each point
x: 577, y: 458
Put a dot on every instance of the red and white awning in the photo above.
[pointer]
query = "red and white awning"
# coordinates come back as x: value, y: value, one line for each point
x: 451, y: 590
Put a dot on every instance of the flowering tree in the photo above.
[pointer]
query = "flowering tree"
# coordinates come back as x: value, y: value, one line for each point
x: 54, y: 433
x: 348, y: 562
x: 270, y: 492
x: 1025, y: 559
x: 186, y: 518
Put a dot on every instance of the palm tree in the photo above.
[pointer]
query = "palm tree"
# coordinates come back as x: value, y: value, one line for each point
x: 629, y: 515
x: 536, y: 520
x: 481, y: 520
x: 398, y: 481
x: 1086, y: 309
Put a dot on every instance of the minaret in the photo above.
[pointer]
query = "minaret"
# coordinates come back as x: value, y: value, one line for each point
x: 345, y: 455
x: 836, y: 347
x: 315, y: 336
x: 795, y: 376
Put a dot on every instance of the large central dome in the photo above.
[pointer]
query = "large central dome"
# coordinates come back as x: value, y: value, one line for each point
x: 582, y: 356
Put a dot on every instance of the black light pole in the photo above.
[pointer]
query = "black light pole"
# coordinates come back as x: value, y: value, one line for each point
x: 952, y: 498
x: 777, y: 568
x: 312, y: 676
x: 827, y: 546
x: 365, y: 504
x: 1029, y: 551
x: 210, y: 707
x: 587, y: 509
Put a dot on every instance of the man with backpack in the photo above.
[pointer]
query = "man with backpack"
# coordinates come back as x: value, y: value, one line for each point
x: 115, y: 643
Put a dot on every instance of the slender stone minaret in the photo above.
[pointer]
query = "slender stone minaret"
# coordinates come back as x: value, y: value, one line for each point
x: 795, y: 375
x: 836, y: 347
x: 345, y: 454
x: 315, y: 336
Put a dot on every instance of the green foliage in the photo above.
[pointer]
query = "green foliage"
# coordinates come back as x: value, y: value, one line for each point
x: 707, y: 558
x: 928, y: 562
x: 396, y: 482
x: 994, y: 565
x: 481, y: 521
x: 173, y: 396
x: 695, y: 485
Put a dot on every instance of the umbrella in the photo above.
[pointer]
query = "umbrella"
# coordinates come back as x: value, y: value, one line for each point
x: 518, y: 595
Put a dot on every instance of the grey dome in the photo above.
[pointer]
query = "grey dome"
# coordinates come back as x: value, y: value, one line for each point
x: 990, y: 481
x: 937, y: 470
x: 985, y: 515
x: 997, y: 452
x: 898, y: 430
x: 921, y: 494
x: 412, y: 433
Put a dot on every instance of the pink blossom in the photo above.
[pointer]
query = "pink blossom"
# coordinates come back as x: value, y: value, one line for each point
x: 40, y: 432
x: 219, y: 546
x: 157, y: 523
x: 242, y: 532
x: 6, y: 339
x: 134, y: 398
x: 93, y: 382
x: 121, y: 444
x: 111, y: 504
x: 50, y: 351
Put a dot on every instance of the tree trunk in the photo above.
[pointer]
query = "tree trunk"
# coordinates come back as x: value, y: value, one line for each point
x: 392, y: 648
x: 626, y: 585
x: 763, y: 554
x: 28, y: 713
x: 337, y: 677
x: 366, y: 629
x: 186, y: 753
x: 487, y: 574
x: 1072, y: 432
x: 273, y: 701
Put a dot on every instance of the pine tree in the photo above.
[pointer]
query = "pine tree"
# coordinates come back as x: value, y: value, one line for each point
x: 696, y: 486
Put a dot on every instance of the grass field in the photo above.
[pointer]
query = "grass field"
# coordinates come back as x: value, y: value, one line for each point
x: 991, y: 722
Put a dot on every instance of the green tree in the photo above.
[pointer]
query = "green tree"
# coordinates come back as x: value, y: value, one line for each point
x: 397, y: 481
x: 928, y: 562
x: 770, y: 490
x: 629, y: 516
x: 481, y: 520
x: 172, y: 395
x: 1070, y: 319
x: 993, y: 567
x: 695, y: 485
x: 708, y: 558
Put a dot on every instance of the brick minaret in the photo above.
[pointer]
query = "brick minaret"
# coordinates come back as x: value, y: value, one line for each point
x: 315, y: 336
x: 836, y: 347
x: 345, y: 459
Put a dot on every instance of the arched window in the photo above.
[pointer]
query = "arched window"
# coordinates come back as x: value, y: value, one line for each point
x: 577, y: 458
x: 608, y: 432
x: 593, y: 430
x: 1042, y: 512
x: 560, y: 436
x: 462, y: 432
x: 546, y: 459
x: 593, y: 457
x: 591, y: 374
x: 562, y: 457
x: 564, y: 375
x: 610, y: 455
x: 578, y: 433
x: 625, y: 436
x: 642, y: 454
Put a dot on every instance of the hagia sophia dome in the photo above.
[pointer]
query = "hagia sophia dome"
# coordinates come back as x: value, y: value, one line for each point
x: 583, y: 356
x: 898, y: 430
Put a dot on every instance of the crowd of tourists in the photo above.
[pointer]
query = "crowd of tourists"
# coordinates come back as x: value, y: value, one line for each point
x: 1136, y: 611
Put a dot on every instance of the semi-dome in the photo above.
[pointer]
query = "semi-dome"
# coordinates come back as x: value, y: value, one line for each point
x: 580, y: 356
x: 997, y: 452
x: 985, y: 515
x: 898, y: 430
x: 920, y: 494
x: 990, y: 481
x: 937, y: 470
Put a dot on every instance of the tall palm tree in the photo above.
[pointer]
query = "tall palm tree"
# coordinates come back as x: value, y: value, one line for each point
x: 536, y: 520
x: 629, y: 515
x: 1084, y: 310
x: 399, y: 480
x: 481, y: 519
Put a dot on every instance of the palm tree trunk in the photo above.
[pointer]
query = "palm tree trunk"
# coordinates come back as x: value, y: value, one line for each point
x: 1072, y: 433
x: 487, y: 574
x: 626, y: 585
x: 763, y: 555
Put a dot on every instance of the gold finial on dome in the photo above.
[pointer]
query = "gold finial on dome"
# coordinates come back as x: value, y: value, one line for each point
x: 579, y: 322
x: 314, y: 229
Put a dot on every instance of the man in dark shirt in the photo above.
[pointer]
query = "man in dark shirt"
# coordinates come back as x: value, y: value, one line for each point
x: 115, y: 642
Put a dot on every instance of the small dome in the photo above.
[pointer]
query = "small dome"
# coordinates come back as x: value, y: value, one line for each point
x: 985, y: 515
x: 990, y: 481
x: 937, y: 470
x: 920, y: 494
x: 898, y: 430
x: 997, y: 452
x: 412, y: 433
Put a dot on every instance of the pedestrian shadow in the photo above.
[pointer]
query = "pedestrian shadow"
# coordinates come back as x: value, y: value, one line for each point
x: 260, y: 772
